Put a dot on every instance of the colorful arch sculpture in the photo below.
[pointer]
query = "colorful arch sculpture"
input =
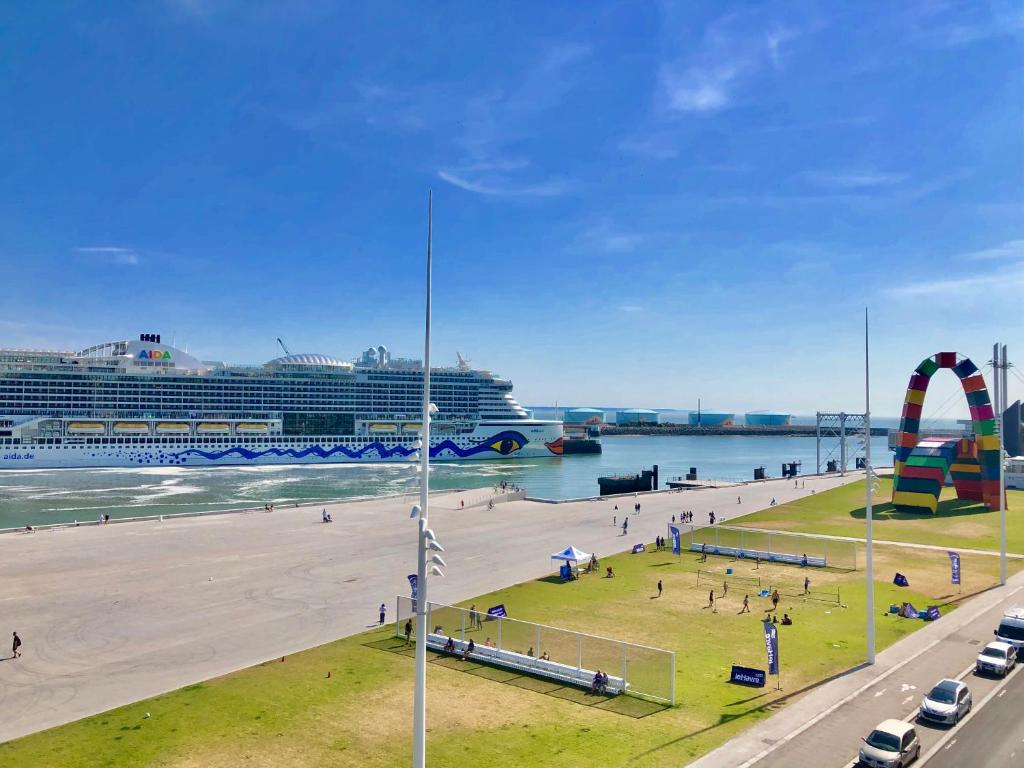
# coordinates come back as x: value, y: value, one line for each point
x: 921, y: 466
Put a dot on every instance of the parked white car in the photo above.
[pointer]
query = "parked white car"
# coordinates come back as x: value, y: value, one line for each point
x: 893, y: 744
x: 996, y: 659
x: 946, y: 703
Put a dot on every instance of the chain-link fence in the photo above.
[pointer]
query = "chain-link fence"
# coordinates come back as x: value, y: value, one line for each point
x: 770, y: 546
x: 646, y: 672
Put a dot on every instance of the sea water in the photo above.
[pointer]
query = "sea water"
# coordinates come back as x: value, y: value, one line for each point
x: 33, y: 497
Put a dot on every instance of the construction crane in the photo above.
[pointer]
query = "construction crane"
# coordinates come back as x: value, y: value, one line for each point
x: 283, y: 346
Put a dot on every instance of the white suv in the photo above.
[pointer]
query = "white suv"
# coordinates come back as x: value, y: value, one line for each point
x: 996, y: 659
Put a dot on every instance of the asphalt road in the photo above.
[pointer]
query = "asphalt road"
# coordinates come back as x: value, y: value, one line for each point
x: 993, y: 737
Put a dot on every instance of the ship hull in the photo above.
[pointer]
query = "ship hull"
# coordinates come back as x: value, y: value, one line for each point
x: 490, y: 441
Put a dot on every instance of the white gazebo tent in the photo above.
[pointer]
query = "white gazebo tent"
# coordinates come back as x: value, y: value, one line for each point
x: 573, y: 557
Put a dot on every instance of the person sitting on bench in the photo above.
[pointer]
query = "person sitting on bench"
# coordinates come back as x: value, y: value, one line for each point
x: 449, y: 647
x: 470, y: 647
x: 786, y: 621
x: 600, y: 683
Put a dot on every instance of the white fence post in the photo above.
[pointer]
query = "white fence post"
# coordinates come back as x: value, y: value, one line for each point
x: 579, y: 651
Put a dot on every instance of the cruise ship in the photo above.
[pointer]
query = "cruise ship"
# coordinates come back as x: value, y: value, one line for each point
x: 142, y: 403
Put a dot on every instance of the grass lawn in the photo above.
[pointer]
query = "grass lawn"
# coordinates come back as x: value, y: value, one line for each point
x: 284, y: 714
x: 840, y: 512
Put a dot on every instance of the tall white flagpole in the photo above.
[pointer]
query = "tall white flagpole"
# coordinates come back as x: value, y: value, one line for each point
x: 868, y: 477
x: 419, y: 718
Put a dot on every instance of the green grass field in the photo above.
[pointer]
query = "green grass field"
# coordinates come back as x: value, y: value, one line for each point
x: 291, y: 713
x: 840, y: 512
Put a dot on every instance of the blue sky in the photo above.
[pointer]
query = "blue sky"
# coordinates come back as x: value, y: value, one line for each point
x: 635, y: 203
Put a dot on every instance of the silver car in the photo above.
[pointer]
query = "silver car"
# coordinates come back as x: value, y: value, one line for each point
x: 946, y: 703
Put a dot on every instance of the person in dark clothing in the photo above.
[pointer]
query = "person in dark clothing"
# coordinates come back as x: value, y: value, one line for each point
x: 16, y: 646
x: 383, y: 611
x: 659, y: 587
x: 408, y: 631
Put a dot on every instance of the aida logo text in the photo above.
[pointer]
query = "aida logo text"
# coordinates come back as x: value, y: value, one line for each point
x: 154, y: 354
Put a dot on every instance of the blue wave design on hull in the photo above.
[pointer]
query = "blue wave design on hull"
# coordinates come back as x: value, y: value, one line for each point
x: 504, y: 444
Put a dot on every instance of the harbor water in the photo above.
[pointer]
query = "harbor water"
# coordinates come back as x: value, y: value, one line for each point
x: 34, y: 497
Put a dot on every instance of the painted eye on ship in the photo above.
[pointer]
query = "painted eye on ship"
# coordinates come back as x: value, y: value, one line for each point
x: 506, y: 446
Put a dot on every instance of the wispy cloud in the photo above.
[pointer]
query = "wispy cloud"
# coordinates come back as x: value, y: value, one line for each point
x: 733, y: 49
x: 1009, y: 279
x: 853, y: 178
x: 1011, y: 249
x: 501, y: 186
x: 604, y: 237
x: 111, y: 254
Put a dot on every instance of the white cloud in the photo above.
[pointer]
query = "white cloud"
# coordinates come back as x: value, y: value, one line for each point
x: 497, y: 186
x: 1009, y: 278
x: 1011, y: 249
x: 111, y: 254
x: 732, y: 49
x: 853, y: 179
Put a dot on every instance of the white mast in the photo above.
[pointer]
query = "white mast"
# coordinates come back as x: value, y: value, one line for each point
x: 868, y: 478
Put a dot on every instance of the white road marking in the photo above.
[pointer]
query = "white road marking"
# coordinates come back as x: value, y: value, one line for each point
x: 951, y: 744
x: 1001, y: 694
x: 908, y: 699
x: 906, y: 687
x: 879, y: 693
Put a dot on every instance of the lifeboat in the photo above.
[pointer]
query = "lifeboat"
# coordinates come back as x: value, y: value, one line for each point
x: 412, y: 426
x: 131, y: 428
x: 86, y: 428
x: 252, y: 428
x: 212, y: 428
x: 172, y: 428
x: 383, y: 427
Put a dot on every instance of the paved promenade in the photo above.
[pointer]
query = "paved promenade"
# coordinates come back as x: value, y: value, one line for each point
x: 113, y: 614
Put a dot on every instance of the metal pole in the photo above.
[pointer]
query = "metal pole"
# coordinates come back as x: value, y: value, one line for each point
x: 419, y: 716
x: 1000, y: 409
x: 842, y: 445
x: 867, y: 500
x: 817, y: 444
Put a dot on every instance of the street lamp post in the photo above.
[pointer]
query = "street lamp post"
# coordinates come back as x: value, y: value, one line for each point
x: 425, y: 537
x: 868, y: 482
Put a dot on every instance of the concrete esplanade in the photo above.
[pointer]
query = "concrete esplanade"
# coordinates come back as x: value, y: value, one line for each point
x: 116, y: 613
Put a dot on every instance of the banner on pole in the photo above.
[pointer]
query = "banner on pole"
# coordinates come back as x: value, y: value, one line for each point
x: 954, y: 567
x: 414, y: 587
x: 677, y: 547
x: 497, y: 610
x: 638, y: 548
x: 771, y: 644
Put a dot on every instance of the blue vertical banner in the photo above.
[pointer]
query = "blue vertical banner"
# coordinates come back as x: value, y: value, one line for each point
x: 771, y: 644
x: 677, y: 547
x: 413, y: 584
x: 954, y: 567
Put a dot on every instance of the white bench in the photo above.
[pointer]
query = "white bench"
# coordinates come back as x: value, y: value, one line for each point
x: 523, y: 663
x: 751, y: 554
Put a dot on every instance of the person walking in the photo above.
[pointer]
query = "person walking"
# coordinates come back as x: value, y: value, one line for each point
x: 725, y: 588
x: 703, y: 553
x: 16, y: 646
x: 775, y: 600
x: 383, y: 612
x: 711, y: 601
x: 807, y: 585
x: 659, y: 587
x: 739, y: 500
x: 614, y: 522
x: 408, y: 631
x: 746, y: 604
